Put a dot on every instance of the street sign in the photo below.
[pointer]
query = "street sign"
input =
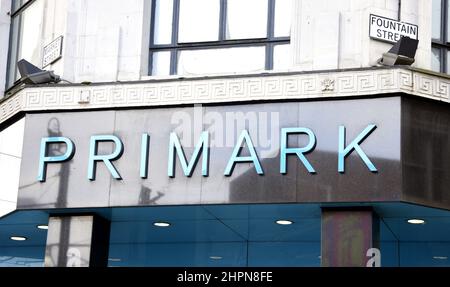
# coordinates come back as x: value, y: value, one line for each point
x: 390, y: 30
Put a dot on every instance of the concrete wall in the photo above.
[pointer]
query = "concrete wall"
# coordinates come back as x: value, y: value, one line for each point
x: 11, y: 140
x: 334, y: 34
x: 5, y: 7
x: 107, y: 40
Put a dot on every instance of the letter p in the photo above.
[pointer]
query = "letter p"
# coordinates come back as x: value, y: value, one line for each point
x: 44, y: 158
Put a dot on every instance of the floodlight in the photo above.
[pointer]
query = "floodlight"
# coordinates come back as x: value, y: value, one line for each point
x: 402, y: 53
x: 30, y: 74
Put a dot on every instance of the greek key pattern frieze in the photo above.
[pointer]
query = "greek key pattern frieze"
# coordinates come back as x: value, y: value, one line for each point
x: 229, y: 89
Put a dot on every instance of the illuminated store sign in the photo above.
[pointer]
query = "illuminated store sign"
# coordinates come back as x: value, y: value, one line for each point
x: 201, y: 150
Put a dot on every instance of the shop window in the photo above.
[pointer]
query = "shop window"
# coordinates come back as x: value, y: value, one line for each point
x: 191, y: 37
x: 440, y: 37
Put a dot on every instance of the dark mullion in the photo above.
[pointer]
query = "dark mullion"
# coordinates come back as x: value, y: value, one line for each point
x: 443, y: 35
x: 443, y: 51
x: 271, y: 19
x: 270, y: 34
x: 152, y: 24
x: 444, y: 60
x: 445, y: 19
x: 238, y: 42
x: 21, y: 8
x: 19, y: 25
x: 152, y: 37
x: 269, y: 56
x: 223, y: 20
x: 175, y: 27
x: 439, y: 45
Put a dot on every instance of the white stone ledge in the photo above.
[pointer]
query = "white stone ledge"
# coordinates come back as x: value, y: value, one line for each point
x: 326, y: 84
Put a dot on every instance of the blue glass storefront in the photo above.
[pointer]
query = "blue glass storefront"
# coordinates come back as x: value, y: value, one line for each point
x: 234, y: 235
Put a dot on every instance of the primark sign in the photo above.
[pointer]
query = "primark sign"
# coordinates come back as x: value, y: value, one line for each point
x: 211, y: 154
x: 175, y: 150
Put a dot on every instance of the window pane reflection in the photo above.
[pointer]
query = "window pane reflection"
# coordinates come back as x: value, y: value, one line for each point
x: 173, y: 254
x: 31, y: 40
x: 227, y: 60
x: 13, y: 73
x: 282, y: 57
x: 448, y: 23
x: 199, y: 20
x: 283, y: 10
x: 163, y: 22
x: 436, y: 20
x: 448, y: 62
x: 246, y: 19
x: 435, y: 60
x: 161, y: 63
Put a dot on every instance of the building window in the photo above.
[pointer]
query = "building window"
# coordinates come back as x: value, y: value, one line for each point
x: 219, y: 36
x: 440, y: 37
x: 26, y: 40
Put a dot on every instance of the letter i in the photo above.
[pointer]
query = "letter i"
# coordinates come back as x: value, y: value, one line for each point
x: 145, y: 144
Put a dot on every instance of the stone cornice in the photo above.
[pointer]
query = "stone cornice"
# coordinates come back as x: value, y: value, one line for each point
x: 280, y: 86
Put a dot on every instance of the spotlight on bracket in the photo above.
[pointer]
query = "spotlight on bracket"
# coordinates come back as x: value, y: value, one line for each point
x: 402, y: 53
x: 30, y: 74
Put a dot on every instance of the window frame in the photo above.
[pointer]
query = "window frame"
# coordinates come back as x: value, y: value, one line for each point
x: 443, y: 44
x: 16, y: 12
x: 269, y: 42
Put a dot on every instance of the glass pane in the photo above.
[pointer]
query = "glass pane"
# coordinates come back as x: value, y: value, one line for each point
x: 282, y: 57
x: 448, y: 23
x: 435, y: 60
x: 283, y: 11
x: 31, y: 40
x: 199, y: 20
x: 161, y: 63
x: 448, y: 62
x: 16, y: 4
x: 227, y: 60
x: 163, y: 22
x: 13, y: 52
x: 436, y: 20
x: 246, y: 19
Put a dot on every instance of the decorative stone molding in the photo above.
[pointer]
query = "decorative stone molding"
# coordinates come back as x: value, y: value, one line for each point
x: 327, y: 84
x: 347, y: 83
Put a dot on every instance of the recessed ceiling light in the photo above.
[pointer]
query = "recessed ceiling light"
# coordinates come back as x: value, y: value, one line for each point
x: 161, y: 224
x: 114, y: 259
x: 283, y: 222
x: 215, y: 257
x: 416, y: 221
x: 42, y: 226
x: 440, y: 257
x: 18, y: 238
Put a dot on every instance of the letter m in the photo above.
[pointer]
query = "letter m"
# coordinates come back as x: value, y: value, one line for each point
x: 188, y: 168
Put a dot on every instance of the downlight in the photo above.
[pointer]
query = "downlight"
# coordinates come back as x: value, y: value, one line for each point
x: 42, y: 226
x: 284, y: 222
x: 416, y: 221
x: 161, y: 224
x: 18, y: 238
